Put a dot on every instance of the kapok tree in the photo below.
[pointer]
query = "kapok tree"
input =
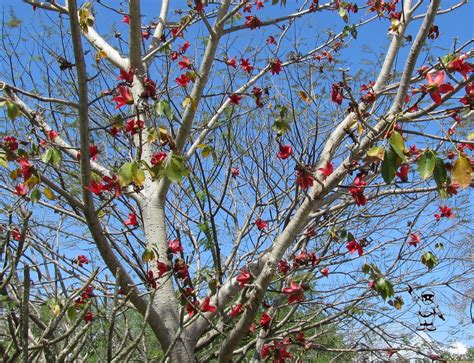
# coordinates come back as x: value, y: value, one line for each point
x: 231, y: 173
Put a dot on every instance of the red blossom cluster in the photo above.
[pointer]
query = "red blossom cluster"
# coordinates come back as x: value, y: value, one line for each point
x: 304, y: 178
x: 261, y: 224
x: 445, y: 211
x: 295, y: 292
x: 357, y: 190
x: 109, y: 184
x: 81, y: 260
x: 252, y: 22
x: 278, y: 349
x: 354, y: 246
x: 336, y: 93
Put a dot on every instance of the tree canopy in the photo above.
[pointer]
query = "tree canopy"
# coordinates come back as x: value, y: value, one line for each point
x: 232, y: 180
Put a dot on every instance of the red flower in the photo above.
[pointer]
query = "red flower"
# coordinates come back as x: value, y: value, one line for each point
x: 402, y: 173
x: 259, y: 4
x: 146, y: 34
x: 468, y: 99
x: 266, y: 350
x: 134, y: 126
x: 414, y: 239
x: 243, y: 277
x: 433, y: 32
x: 181, y: 269
x: 176, y: 32
x: 236, y: 310
x: 184, y: 80
x: 126, y: 76
x: 81, y: 260
x: 162, y: 268
x: 10, y: 142
x: 150, y: 279
x: 285, y: 152
x: 336, y: 93
x: 328, y: 169
x: 124, y: 98
x: 303, y: 178
x: 257, y: 93
x: 300, y: 337
x: 26, y: 169
x: 246, y: 66
x: 112, y: 183
x: 252, y: 22
x: 391, y: 352
x: 235, y: 99
x: 185, y: 63
x: 132, y: 220
x: 52, y: 135
x: 357, y: 191
x: 295, y: 291
x: 303, y: 258
x: 183, y: 48
x: 174, y: 55
x: 93, y: 151
x: 174, y: 246
x: 231, y: 62
x: 283, y: 267
x: 325, y: 271
x: 191, y: 308
x: 354, y: 247
x: 158, y: 158
x: 235, y: 172
x: 114, y: 130
x: 88, y: 317
x: 459, y: 65
x: 16, y: 234
x: 436, y: 86
x: 261, y: 225
x: 445, y: 212
x: 271, y: 40
x: 20, y: 190
x: 276, y: 66
x: 126, y: 19
x: 150, y: 88
x: 265, y: 320
x: 206, y: 305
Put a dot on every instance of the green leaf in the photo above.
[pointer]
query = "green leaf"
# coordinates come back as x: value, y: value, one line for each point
x: 3, y: 160
x: 52, y: 156
x: 148, y: 255
x: 12, y: 110
x: 131, y: 173
x: 426, y: 164
x: 35, y: 195
x: 163, y: 108
x: 343, y: 14
x: 375, y: 153
x: 72, y: 313
x: 429, y: 260
x: 125, y: 174
x: 384, y: 288
x: 462, y: 171
x: 350, y: 29
x: 440, y: 176
x: 389, y: 166
x: 174, y: 169
x: 397, y: 144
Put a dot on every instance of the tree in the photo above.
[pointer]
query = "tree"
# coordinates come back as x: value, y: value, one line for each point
x: 244, y: 187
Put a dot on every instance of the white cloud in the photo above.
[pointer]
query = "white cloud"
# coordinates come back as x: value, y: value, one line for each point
x: 457, y: 348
